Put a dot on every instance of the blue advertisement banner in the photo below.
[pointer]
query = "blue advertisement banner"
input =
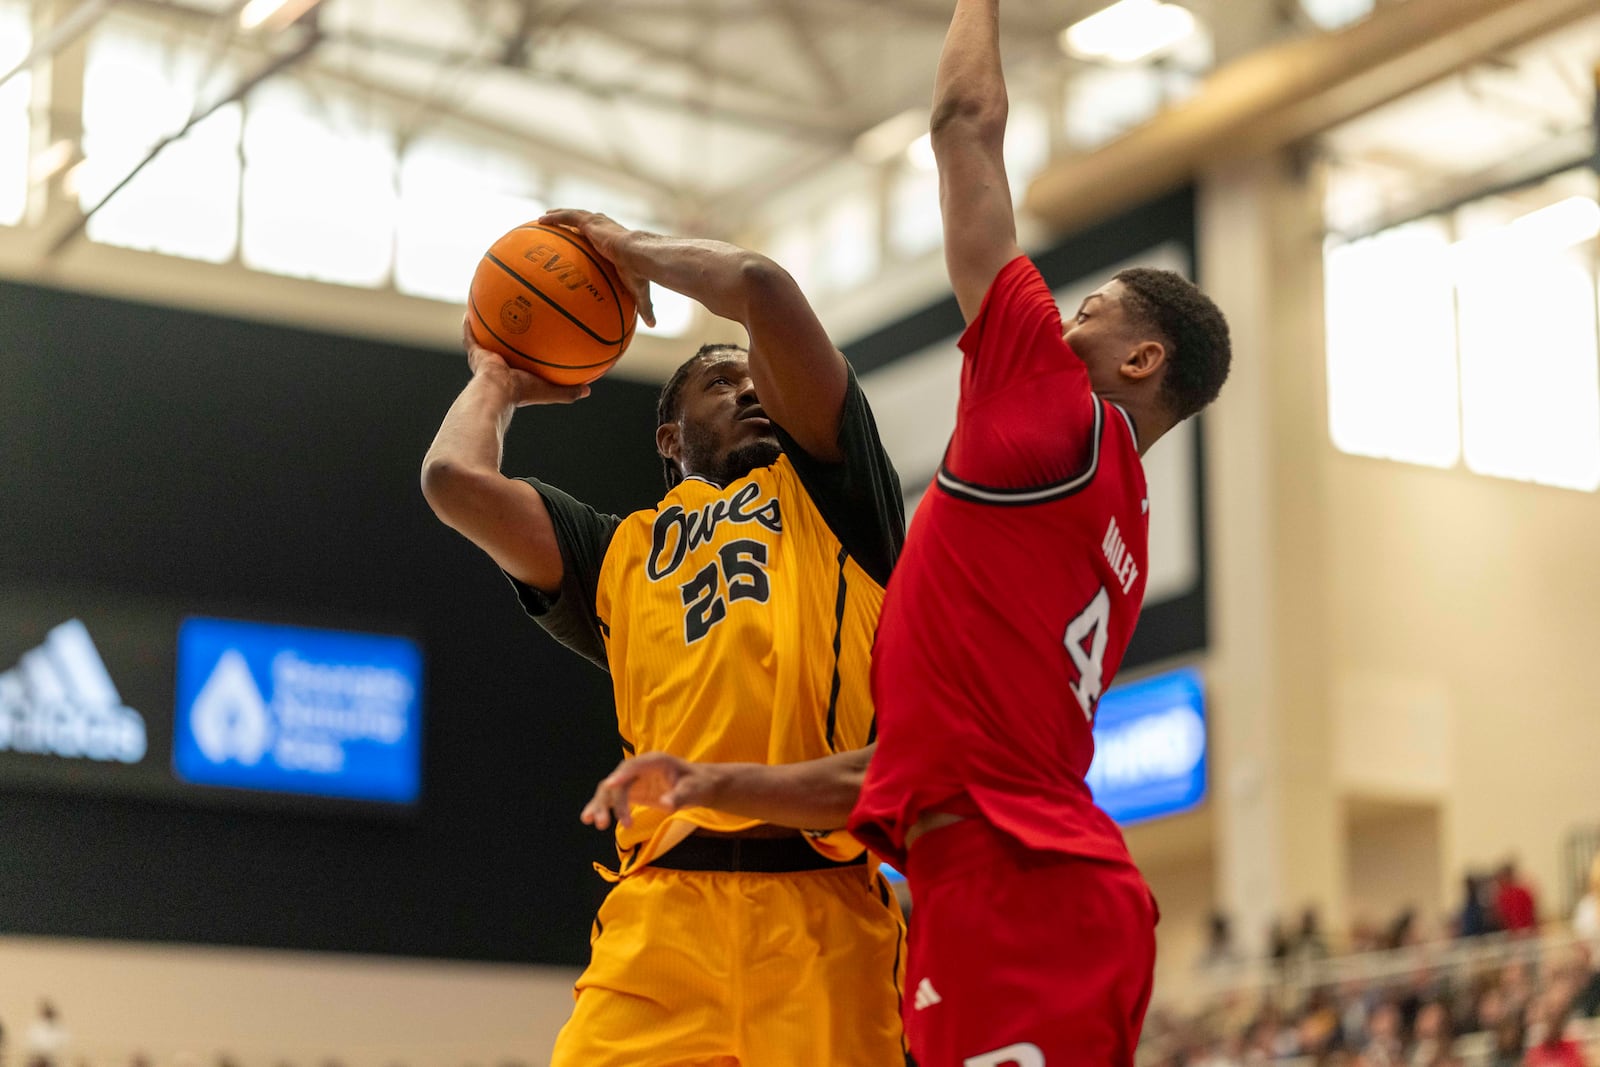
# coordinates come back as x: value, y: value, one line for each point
x: 292, y: 710
x: 1150, y: 748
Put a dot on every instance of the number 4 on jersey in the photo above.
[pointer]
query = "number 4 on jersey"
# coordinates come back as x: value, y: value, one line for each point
x: 1086, y: 644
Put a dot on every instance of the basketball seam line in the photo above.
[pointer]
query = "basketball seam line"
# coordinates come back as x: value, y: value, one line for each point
x: 492, y: 258
x: 616, y: 301
x: 472, y: 301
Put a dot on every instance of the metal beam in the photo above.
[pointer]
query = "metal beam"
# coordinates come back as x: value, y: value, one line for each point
x: 795, y: 125
x: 69, y: 29
x: 579, y: 161
x: 614, y: 171
x: 805, y: 39
x: 1567, y: 152
x: 604, y: 23
x: 1287, y: 93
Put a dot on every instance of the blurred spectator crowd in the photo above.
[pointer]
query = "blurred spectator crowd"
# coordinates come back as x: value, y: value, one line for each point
x: 1497, y: 991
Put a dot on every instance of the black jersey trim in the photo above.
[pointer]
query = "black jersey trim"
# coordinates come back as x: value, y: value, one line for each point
x: 884, y: 894
x: 1133, y: 431
x: 1044, y: 494
x: 838, y: 643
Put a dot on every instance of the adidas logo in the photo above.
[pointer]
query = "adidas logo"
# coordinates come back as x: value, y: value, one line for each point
x: 60, y: 701
x: 927, y: 997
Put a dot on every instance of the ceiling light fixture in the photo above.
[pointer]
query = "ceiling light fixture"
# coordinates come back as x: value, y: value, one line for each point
x: 1128, y: 31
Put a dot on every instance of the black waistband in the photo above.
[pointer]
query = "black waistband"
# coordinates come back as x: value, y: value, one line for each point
x: 761, y: 855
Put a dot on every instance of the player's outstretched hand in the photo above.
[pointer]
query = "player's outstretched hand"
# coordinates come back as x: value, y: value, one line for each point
x: 656, y: 779
x: 610, y: 238
x: 527, y: 388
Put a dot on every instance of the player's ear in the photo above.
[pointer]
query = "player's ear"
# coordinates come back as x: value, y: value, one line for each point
x: 669, y: 442
x: 1143, y: 360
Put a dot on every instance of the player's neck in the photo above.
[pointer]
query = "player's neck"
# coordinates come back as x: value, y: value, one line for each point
x: 1150, y: 423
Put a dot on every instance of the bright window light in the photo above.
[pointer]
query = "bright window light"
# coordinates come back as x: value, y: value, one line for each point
x: 675, y: 313
x: 1027, y: 149
x: 1104, y: 103
x: 137, y: 90
x: 319, y: 187
x: 632, y: 211
x: 1530, y: 387
x: 1129, y: 31
x: 919, y: 153
x: 794, y: 248
x: 1536, y: 236
x: 456, y: 198
x: 1391, y: 347
x: 1486, y: 349
x: 915, y: 225
x: 15, y: 40
x: 850, y: 244
x: 889, y: 138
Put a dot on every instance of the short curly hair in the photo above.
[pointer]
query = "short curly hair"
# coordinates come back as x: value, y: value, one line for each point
x: 1199, y: 351
x: 669, y: 403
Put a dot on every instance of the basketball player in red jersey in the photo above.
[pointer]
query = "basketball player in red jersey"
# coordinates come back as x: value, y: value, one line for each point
x: 1006, y: 618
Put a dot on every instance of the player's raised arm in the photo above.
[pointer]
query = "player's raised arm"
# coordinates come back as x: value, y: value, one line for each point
x: 969, y: 131
x: 799, y: 374
x: 815, y: 795
x: 461, y: 476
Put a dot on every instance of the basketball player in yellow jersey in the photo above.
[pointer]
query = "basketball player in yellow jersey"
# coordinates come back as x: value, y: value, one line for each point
x: 736, y: 617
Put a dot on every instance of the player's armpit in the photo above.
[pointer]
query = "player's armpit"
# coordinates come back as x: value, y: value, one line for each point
x: 505, y: 517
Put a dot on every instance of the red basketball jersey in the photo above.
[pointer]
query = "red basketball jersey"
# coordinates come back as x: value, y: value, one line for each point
x: 1015, y: 598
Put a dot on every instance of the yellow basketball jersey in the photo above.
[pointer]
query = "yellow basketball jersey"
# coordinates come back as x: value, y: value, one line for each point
x: 738, y: 631
x: 736, y: 623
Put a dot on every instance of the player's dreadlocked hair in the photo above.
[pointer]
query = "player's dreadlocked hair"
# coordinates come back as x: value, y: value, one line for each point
x: 667, y: 405
x: 1199, y: 352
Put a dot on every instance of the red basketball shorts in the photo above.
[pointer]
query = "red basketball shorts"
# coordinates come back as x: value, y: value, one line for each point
x: 1021, y: 958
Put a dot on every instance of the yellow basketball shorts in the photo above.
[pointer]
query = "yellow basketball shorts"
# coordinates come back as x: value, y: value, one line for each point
x: 738, y: 969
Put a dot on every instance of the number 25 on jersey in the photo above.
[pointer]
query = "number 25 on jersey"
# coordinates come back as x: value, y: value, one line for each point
x: 740, y: 569
x: 1086, y: 645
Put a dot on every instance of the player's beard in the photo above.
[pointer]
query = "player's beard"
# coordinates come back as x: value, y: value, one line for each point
x: 746, y: 458
x: 700, y: 456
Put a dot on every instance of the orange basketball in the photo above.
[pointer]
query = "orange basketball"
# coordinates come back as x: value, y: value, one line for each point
x: 544, y: 299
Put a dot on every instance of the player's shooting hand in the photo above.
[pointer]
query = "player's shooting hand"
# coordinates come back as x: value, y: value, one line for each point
x: 525, y: 387
x: 611, y: 239
x: 656, y: 779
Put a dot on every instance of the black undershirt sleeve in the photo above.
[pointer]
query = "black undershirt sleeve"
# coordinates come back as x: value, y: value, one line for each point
x: 860, y: 497
x: 568, y: 614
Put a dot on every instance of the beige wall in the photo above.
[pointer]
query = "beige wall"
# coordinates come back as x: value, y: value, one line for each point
x: 1186, y: 894
x: 1384, y: 635
x: 1395, y: 863
x: 1488, y: 592
x: 185, y: 1005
